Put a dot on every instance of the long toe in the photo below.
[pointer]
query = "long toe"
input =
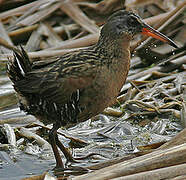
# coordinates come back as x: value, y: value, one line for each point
x: 86, y: 157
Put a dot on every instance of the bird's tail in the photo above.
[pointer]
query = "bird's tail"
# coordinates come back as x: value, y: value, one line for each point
x: 18, y: 66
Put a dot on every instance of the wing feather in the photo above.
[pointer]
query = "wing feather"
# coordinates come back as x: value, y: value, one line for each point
x: 57, y: 81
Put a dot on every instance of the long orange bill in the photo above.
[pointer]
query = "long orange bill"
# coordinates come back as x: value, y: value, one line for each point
x: 149, y: 31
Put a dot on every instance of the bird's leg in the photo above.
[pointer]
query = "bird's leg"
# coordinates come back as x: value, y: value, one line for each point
x: 65, y: 151
x: 69, y: 156
x: 52, y: 139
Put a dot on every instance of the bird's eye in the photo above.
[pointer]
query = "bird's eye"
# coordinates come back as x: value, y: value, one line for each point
x: 132, y: 21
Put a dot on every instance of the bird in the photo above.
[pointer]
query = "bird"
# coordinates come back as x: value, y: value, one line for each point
x: 79, y: 85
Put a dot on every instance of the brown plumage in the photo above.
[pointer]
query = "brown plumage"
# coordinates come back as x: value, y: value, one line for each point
x: 78, y: 85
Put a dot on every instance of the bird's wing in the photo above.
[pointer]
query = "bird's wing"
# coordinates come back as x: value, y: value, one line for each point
x: 58, y: 80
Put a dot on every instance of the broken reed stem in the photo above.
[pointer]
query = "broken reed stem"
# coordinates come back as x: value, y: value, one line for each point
x: 155, y: 160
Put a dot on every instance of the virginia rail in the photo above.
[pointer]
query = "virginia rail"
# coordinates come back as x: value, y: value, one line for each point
x: 81, y: 84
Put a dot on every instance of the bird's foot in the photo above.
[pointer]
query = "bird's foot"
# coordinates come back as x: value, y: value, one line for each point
x: 68, y: 154
x: 86, y: 157
x: 71, y: 170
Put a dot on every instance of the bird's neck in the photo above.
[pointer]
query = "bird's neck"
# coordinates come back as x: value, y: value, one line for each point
x: 114, y: 47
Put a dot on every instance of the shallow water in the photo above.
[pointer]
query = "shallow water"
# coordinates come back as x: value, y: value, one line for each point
x: 108, y: 136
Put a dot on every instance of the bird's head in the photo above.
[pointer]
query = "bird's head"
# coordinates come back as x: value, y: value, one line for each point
x: 126, y: 23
